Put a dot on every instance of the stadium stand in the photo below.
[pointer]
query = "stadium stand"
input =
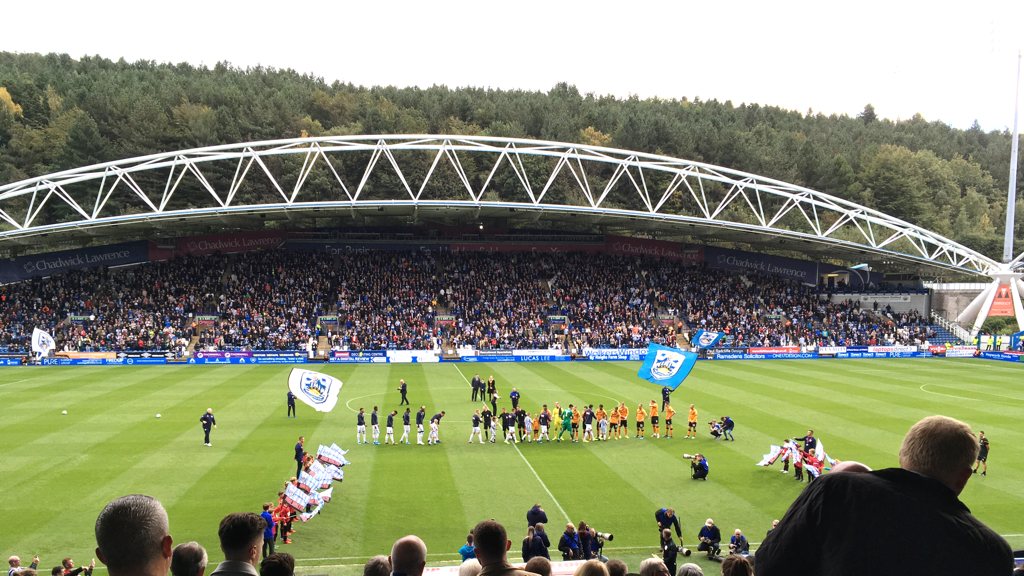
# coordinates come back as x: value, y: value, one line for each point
x: 275, y: 300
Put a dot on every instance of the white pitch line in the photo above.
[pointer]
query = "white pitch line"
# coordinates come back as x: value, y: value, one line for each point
x: 542, y: 484
x: 921, y: 387
x: 528, y: 465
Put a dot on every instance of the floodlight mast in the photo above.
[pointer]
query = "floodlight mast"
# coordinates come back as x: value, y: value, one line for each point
x: 1011, y: 193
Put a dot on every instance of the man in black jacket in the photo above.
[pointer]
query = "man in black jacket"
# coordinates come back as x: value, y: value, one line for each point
x: 536, y: 515
x: 478, y: 387
x: 300, y: 455
x: 836, y: 522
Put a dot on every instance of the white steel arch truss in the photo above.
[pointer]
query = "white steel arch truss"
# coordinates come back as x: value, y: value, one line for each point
x: 346, y: 172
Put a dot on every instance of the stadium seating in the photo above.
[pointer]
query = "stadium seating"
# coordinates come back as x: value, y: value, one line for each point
x: 391, y: 299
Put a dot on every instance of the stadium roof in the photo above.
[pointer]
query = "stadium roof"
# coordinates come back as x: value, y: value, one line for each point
x: 460, y: 182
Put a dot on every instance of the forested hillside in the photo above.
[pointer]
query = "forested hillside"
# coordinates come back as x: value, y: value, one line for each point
x: 58, y: 113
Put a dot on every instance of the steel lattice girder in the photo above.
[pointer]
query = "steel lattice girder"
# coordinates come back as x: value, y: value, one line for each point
x: 574, y: 177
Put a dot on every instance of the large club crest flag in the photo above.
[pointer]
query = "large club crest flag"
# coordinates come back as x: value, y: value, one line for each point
x: 318, y: 390
x: 666, y: 366
x: 42, y: 342
x: 704, y: 339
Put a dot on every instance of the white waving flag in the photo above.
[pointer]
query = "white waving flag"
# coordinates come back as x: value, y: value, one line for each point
x: 318, y: 390
x: 42, y: 342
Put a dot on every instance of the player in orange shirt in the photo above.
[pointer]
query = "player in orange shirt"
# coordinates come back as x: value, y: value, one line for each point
x: 655, y: 428
x: 669, y: 413
x: 691, y: 423
x: 641, y: 415
x: 576, y: 417
x: 623, y: 420
x: 613, y: 421
x: 602, y: 422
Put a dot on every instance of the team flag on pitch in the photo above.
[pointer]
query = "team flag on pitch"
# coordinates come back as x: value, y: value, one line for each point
x: 318, y: 390
x: 42, y: 342
x: 704, y: 339
x: 666, y: 366
x: 295, y: 497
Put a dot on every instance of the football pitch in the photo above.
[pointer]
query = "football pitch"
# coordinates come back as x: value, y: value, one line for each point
x: 58, y: 471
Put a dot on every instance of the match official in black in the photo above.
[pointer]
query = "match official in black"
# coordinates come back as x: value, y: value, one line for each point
x: 291, y: 404
x: 208, y: 422
x: 403, y: 389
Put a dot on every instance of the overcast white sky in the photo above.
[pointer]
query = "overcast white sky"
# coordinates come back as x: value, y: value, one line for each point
x: 953, y: 62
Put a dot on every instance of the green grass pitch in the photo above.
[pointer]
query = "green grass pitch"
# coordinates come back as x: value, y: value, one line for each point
x: 58, y: 471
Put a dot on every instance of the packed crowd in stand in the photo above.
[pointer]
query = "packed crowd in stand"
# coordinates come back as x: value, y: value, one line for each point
x: 390, y: 300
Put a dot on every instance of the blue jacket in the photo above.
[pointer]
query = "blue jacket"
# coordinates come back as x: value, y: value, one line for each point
x: 665, y: 522
x: 711, y: 533
x: 569, y: 542
x: 268, y: 532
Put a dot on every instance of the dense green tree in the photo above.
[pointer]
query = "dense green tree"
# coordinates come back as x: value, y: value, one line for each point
x: 57, y: 112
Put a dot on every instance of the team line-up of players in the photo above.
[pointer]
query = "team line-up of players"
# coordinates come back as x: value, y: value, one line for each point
x: 520, y: 426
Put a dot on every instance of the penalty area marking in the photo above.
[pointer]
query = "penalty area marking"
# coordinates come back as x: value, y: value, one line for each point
x: 528, y: 465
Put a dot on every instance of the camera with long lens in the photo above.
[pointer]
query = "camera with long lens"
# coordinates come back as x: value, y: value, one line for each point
x: 599, y: 539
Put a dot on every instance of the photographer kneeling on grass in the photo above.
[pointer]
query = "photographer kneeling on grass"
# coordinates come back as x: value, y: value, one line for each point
x: 710, y: 539
x: 698, y: 465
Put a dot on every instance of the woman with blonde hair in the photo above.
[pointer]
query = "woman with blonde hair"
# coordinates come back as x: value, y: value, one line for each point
x: 591, y: 568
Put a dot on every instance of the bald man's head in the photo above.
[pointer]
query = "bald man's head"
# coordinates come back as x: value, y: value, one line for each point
x: 408, y: 556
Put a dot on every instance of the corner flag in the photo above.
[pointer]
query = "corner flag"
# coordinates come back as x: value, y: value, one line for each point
x: 666, y: 366
x: 319, y: 391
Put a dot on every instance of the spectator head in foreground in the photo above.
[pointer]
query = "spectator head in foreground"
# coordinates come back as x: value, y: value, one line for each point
x: 491, y: 542
x: 615, y: 568
x: 690, y: 569
x: 241, y: 537
x: 133, y: 536
x: 850, y: 466
x: 408, y: 556
x: 737, y: 565
x: 377, y: 566
x: 653, y: 567
x: 189, y: 559
x: 470, y: 567
x: 542, y: 566
x: 278, y: 564
x: 592, y: 568
x: 940, y: 448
